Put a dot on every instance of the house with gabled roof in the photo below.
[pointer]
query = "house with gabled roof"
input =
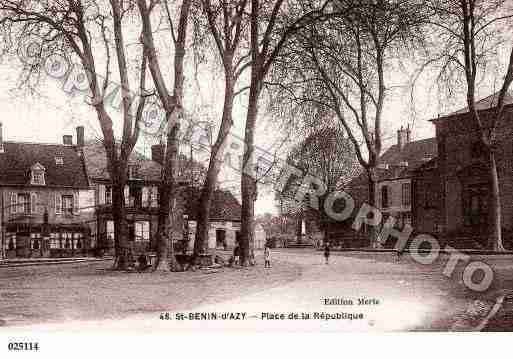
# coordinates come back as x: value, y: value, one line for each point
x: 394, y: 194
x: 225, y: 217
x: 142, y: 201
x: 46, y: 201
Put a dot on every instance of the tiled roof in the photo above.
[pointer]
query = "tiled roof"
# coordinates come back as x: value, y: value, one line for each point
x: 19, y: 157
x: 487, y: 102
x: 96, y: 163
x: 147, y: 169
x: 413, y: 153
x: 225, y: 207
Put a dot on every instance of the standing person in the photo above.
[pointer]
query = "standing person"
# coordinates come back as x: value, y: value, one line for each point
x: 236, y: 253
x: 327, y: 253
x: 267, y: 257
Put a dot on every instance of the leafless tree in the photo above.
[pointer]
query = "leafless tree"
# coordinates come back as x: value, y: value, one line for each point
x: 339, y: 67
x: 469, y: 34
x: 327, y: 155
x: 172, y: 103
x: 272, y: 22
x: 226, y: 24
x: 87, y: 30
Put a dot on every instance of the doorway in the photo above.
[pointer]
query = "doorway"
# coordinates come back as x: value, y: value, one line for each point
x: 221, y: 238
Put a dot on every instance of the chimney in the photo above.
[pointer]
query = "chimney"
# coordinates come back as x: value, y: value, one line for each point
x: 403, y: 137
x: 80, y: 136
x: 67, y: 140
x: 1, y: 139
x: 157, y: 153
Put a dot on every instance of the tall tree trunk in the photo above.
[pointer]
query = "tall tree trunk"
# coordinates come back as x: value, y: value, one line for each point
x: 117, y: 169
x: 123, y: 253
x: 299, y: 228
x: 214, y: 166
x: 166, y: 219
x: 172, y: 105
x: 248, y: 182
x: 495, y: 227
x: 372, y: 184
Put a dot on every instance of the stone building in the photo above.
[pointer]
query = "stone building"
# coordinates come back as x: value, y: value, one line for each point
x: 141, y: 199
x: 141, y: 203
x: 456, y: 187
x: 225, y: 217
x: 56, y: 201
x: 47, y: 206
x: 394, y: 196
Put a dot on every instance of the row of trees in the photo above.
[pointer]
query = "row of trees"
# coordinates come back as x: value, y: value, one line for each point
x: 341, y: 68
x: 94, y: 33
x: 332, y: 57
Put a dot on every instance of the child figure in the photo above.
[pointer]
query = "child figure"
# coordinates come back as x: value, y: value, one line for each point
x: 267, y: 257
x: 327, y: 253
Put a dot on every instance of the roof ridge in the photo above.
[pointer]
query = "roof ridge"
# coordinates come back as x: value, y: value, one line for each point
x: 39, y: 143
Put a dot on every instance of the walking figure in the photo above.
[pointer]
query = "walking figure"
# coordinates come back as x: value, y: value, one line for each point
x: 236, y: 255
x: 267, y: 257
x: 327, y: 253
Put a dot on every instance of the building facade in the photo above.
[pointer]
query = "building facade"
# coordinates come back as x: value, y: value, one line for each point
x: 142, y: 203
x: 46, y: 201
x: 225, y: 216
x: 56, y: 201
x: 141, y: 199
x: 460, y: 174
x: 394, y: 189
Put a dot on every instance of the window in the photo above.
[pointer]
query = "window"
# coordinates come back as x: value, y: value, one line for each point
x: 142, y: 231
x: 35, y: 239
x: 37, y: 175
x: 153, y: 196
x: 110, y: 230
x: 55, y: 242
x: 407, y: 219
x: 11, y: 241
x: 477, y: 150
x: 67, y: 205
x: 66, y: 240
x: 132, y: 171
x: 475, y: 205
x: 146, y: 196
x: 24, y: 203
x: 59, y: 160
x: 135, y: 197
x: 37, y: 178
x: 108, y: 195
x: 384, y: 197
x: 406, y: 189
x: 77, y: 240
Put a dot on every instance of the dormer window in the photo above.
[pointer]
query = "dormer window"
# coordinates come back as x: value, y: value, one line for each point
x: 133, y: 171
x: 59, y: 160
x: 37, y: 175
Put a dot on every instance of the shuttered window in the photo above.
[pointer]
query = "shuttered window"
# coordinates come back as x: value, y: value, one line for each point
x: 406, y: 189
x: 34, y: 203
x: 145, y: 197
x: 101, y: 194
x: 127, y: 196
x: 155, y: 196
x: 58, y: 204
x: 384, y: 197
x: 14, y: 202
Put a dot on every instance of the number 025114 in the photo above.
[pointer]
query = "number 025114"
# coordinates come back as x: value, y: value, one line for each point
x: 24, y: 346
